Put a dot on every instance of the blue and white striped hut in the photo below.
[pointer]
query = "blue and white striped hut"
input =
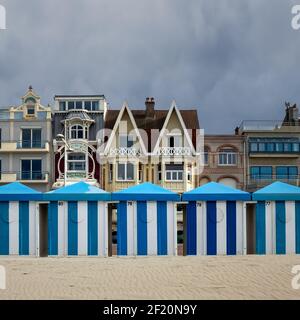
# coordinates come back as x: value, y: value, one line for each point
x: 146, y: 220
x: 215, y: 220
x: 77, y: 220
x: 277, y: 219
x: 18, y: 214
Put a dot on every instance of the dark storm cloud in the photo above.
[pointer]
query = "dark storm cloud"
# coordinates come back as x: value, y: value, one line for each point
x: 232, y: 59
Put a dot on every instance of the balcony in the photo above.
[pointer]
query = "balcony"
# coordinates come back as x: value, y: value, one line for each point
x: 256, y: 182
x: 24, y: 146
x: 175, y: 151
x: 124, y: 152
x: 33, y: 176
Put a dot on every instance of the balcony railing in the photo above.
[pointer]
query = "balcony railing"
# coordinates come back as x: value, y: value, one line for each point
x: 257, y: 181
x: 32, y: 175
x: 175, y: 151
x: 31, y: 144
x: 125, y: 152
x: 266, y: 125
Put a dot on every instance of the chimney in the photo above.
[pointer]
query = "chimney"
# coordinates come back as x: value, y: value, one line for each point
x: 150, y: 103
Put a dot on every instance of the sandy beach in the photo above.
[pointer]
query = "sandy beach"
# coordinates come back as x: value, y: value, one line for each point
x: 238, y: 277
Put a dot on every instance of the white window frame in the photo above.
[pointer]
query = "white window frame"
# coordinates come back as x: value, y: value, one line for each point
x: 125, y: 171
x: 227, y: 155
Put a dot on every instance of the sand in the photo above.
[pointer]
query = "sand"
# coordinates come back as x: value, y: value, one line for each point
x: 224, y: 277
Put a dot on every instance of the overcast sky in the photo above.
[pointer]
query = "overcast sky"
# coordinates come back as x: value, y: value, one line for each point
x: 232, y: 60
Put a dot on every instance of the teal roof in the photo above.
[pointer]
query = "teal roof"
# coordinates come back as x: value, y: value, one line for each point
x: 215, y: 191
x: 146, y: 192
x: 277, y: 191
x: 79, y: 191
x: 17, y: 191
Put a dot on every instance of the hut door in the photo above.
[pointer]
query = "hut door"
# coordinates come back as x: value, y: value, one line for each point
x: 43, y: 230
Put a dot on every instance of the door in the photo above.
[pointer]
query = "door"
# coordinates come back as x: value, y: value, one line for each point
x: 250, y: 228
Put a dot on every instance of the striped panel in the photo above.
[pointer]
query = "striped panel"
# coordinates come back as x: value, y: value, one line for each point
x: 201, y: 228
x: 240, y: 227
x: 270, y: 226
x: 13, y: 227
x: 102, y: 229
x: 297, y: 222
x: 122, y: 228
x: 221, y: 227
x: 32, y: 228
x: 62, y: 220
x: 280, y: 227
x: 171, y: 229
x: 151, y: 228
x: 211, y: 216
x: 72, y: 228
x: 4, y: 228
x: 260, y: 227
x: 92, y: 228
x: 192, y: 228
x: 24, y: 228
x: 162, y: 237
x: 82, y: 225
x: 142, y: 221
x: 231, y: 227
x: 53, y: 228
x: 131, y: 229
x: 290, y: 227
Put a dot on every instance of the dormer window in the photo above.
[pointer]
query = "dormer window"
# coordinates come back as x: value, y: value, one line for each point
x: 30, y: 110
x: 78, y: 132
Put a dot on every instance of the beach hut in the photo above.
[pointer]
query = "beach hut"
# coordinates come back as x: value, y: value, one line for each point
x: 77, y: 220
x: 19, y: 220
x: 146, y: 220
x: 277, y: 219
x: 215, y: 220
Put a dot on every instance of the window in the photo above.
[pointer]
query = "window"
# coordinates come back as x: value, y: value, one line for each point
x: 76, y: 162
x: 31, y: 138
x: 287, y: 172
x: 174, y: 172
x: 111, y: 172
x: 95, y: 105
x: 77, y: 132
x: 273, y: 145
x: 71, y: 105
x: 175, y: 141
x: 261, y: 173
x: 126, y: 141
x: 62, y: 105
x: 78, y: 105
x: 31, y: 169
x: 125, y: 171
x: 87, y: 105
x: 206, y: 155
x: 31, y: 111
x: 227, y: 157
x: 140, y: 172
x: 159, y: 172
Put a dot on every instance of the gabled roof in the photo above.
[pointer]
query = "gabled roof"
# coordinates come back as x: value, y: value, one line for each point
x: 79, y: 191
x: 277, y: 191
x: 215, y: 191
x: 189, y: 117
x: 17, y: 191
x: 124, y: 109
x: 146, y: 192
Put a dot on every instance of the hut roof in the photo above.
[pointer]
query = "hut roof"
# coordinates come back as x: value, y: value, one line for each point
x: 215, y: 191
x: 146, y: 192
x: 277, y: 191
x: 17, y: 191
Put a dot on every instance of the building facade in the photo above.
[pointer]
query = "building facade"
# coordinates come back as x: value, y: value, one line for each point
x: 152, y: 145
x: 76, y: 122
x: 272, y: 150
x: 224, y: 160
x: 26, y: 148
